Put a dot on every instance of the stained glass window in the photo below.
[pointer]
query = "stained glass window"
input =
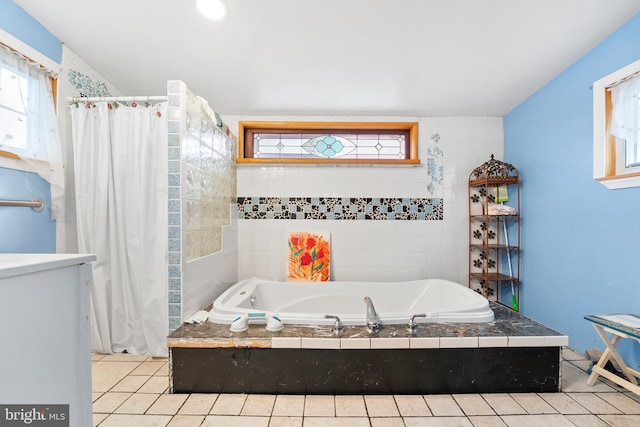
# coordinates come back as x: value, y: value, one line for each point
x: 368, y: 142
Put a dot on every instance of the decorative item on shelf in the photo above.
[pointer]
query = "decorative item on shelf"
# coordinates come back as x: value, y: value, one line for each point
x: 494, y: 231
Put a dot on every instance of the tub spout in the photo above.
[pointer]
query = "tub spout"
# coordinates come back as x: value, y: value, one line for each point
x: 373, y: 322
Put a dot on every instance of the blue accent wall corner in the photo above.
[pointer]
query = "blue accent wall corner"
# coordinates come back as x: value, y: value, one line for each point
x: 579, y: 240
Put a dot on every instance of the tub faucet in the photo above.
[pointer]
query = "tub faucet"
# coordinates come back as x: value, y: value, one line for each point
x: 373, y: 322
x: 337, y: 324
x: 413, y: 325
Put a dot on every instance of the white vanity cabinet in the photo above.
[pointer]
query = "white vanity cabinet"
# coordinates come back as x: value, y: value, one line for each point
x: 45, y: 349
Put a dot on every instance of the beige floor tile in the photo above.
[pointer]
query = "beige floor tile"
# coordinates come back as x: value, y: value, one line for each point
x: 583, y: 365
x: 412, y: 405
x: 98, y: 418
x: 95, y: 396
x: 336, y: 422
x: 186, y: 421
x: 105, y: 375
x: 540, y: 420
x: 387, y: 422
x: 97, y: 356
x: 443, y: 405
x: 487, y: 421
x: 125, y: 357
x: 137, y: 404
x: 350, y: 406
x: 381, y: 406
x: 319, y: 406
x: 231, y: 421
x: 622, y: 420
x: 285, y: 422
x: 258, y: 404
x: 163, y: 370
x: 155, y: 385
x: 574, y: 379
x: 228, y: 404
x: 131, y: 383
x: 125, y: 420
x: 594, y: 404
x: 288, y: 406
x: 586, y: 420
x: 109, y: 402
x: 624, y: 403
x: 473, y: 404
x: 437, y: 422
x: 533, y: 404
x: 198, y: 404
x: 631, y: 395
x: 503, y: 404
x: 563, y: 403
x: 167, y: 404
x: 148, y: 368
x: 569, y: 354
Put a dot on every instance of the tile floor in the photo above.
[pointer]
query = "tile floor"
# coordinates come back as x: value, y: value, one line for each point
x: 130, y: 390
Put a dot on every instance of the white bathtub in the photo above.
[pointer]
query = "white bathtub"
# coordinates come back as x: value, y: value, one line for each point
x: 395, y: 302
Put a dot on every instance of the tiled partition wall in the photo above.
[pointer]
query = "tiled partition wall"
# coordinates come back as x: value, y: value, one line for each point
x: 202, y: 195
x: 424, y: 232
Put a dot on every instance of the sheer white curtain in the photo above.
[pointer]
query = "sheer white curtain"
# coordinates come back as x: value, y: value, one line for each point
x: 625, y: 117
x: 120, y: 159
x: 29, y: 123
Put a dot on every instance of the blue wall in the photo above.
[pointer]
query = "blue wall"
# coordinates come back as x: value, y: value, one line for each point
x: 22, y: 229
x: 581, y: 241
x: 15, y: 21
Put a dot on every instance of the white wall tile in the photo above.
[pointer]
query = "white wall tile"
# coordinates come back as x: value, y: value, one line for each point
x: 373, y: 250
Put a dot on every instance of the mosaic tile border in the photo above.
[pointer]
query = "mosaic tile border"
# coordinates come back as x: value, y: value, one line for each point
x: 341, y: 208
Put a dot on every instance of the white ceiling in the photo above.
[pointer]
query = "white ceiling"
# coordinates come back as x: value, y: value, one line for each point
x: 337, y: 57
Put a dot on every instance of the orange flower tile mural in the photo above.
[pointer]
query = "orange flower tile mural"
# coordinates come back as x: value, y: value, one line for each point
x: 308, y: 257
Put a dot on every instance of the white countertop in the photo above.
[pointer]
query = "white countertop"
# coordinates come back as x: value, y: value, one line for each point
x: 16, y: 264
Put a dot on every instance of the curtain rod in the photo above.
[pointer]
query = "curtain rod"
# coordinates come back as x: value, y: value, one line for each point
x: 117, y: 98
x: 624, y: 79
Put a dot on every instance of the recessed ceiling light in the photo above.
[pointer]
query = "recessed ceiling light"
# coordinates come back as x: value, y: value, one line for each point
x: 212, y: 9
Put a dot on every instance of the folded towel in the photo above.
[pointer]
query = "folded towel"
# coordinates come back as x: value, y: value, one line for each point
x: 500, y: 209
x: 198, y: 317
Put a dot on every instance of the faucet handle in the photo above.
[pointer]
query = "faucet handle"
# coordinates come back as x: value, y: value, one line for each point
x: 337, y: 324
x: 413, y: 325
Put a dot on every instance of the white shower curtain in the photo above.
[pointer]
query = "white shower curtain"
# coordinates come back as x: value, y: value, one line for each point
x: 120, y: 160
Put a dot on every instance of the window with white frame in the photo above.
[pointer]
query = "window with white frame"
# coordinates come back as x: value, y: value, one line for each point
x: 616, y: 128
